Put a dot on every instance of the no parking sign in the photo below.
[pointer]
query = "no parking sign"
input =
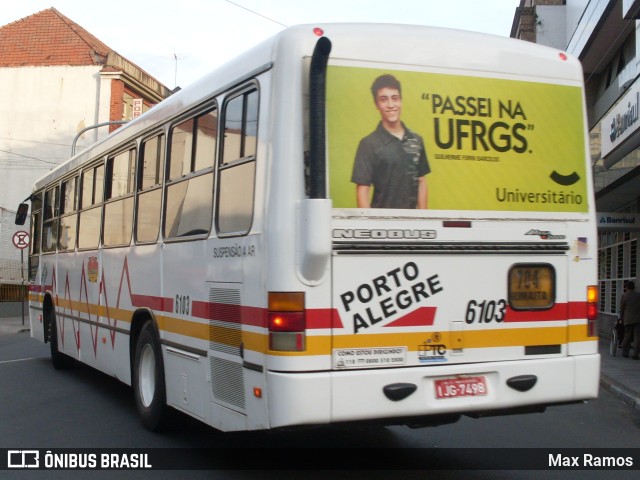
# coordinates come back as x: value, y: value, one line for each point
x: 21, y: 239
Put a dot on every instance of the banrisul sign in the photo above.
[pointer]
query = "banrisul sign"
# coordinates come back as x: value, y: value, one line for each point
x: 625, y: 120
x: 468, y: 142
x: 618, y: 221
x: 621, y: 121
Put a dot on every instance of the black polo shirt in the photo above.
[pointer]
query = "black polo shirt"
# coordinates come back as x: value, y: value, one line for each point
x: 392, y: 166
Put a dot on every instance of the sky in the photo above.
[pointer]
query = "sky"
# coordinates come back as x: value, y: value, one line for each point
x: 179, y: 41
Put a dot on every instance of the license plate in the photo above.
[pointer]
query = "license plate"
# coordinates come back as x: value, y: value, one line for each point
x: 531, y: 286
x: 461, y: 387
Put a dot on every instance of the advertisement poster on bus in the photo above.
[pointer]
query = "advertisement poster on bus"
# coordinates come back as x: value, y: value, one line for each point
x: 468, y: 142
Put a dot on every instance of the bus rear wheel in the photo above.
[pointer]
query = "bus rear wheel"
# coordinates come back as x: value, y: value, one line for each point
x: 148, y: 380
x: 59, y: 360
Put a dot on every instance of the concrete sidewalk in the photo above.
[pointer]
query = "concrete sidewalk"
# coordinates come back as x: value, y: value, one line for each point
x: 619, y: 375
x: 13, y: 324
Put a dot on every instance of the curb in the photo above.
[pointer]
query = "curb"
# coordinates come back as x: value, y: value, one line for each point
x: 620, y: 391
x: 10, y: 330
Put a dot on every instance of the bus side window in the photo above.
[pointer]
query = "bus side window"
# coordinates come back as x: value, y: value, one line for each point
x: 189, y: 193
x: 91, y: 201
x: 36, y: 226
x: 68, y: 215
x: 50, y: 225
x: 150, y: 168
x: 118, y: 208
x: 237, y: 168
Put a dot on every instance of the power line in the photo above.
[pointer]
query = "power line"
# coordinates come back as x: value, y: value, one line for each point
x: 31, y: 158
x: 13, y: 139
x: 256, y: 13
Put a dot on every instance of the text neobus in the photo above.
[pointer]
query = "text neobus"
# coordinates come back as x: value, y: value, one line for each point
x: 383, y: 233
x: 387, y: 295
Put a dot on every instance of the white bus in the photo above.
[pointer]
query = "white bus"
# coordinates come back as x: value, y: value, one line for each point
x: 349, y: 222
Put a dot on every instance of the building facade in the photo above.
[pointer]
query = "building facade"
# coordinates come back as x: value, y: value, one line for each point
x: 605, y: 36
x: 57, y: 81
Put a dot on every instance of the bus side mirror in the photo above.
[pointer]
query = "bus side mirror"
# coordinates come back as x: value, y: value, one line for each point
x: 22, y: 213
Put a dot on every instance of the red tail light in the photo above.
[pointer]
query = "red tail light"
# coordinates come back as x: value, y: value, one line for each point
x: 592, y: 310
x: 287, y: 322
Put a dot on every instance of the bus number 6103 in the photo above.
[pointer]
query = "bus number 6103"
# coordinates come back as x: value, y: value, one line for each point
x: 183, y: 304
x: 485, y: 311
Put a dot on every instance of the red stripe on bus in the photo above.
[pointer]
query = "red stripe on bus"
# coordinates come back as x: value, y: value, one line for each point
x: 560, y: 311
x: 226, y: 312
x: 577, y: 309
x: 160, y: 304
x: 254, y: 316
x: 318, y: 318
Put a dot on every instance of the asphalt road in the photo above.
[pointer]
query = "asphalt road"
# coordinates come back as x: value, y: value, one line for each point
x: 79, y: 409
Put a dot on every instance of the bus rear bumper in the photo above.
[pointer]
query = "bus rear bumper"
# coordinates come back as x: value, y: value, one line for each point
x: 358, y: 395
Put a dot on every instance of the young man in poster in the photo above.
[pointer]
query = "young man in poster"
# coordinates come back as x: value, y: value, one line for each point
x: 392, y: 158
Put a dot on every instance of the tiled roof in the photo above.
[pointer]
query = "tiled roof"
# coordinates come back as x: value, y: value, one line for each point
x: 49, y: 38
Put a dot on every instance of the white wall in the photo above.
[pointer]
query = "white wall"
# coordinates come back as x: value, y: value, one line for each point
x: 551, y: 26
x: 41, y: 111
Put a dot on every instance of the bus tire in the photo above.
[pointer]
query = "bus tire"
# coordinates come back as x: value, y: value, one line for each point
x: 148, y: 380
x: 59, y: 360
